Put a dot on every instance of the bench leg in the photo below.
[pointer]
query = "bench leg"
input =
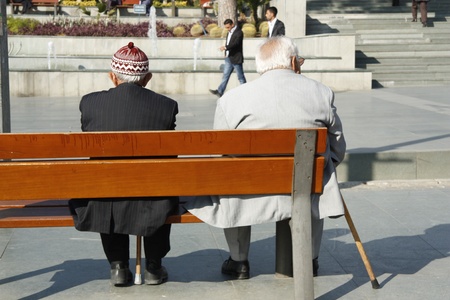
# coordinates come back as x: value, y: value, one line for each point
x: 365, y: 259
x: 301, y: 214
x: 283, y: 258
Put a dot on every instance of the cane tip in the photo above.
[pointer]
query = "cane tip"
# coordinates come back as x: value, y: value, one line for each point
x: 138, y: 279
x: 375, y: 284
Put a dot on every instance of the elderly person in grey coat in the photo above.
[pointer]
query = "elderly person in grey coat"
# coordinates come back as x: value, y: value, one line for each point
x: 280, y: 98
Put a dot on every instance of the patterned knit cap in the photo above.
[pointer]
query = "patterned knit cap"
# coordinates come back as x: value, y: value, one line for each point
x: 130, y: 60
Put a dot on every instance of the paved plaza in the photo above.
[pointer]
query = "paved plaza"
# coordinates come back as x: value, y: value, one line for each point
x: 404, y: 224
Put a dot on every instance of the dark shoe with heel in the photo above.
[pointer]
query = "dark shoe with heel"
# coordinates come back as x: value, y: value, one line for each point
x: 120, y: 274
x: 155, y: 274
x: 215, y: 92
x: 236, y: 269
x: 315, y: 263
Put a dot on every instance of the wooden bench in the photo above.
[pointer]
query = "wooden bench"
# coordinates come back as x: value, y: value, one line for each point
x: 205, y: 5
x: 128, y: 3
x: 46, y: 168
x: 47, y: 3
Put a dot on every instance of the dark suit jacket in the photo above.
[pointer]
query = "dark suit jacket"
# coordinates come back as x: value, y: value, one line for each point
x: 234, y: 47
x: 278, y: 28
x: 124, y: 108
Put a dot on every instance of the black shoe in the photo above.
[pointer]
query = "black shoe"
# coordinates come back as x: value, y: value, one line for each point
x: 315, y: 263
x: 236, y: 269
x: 424, y: 24
x: 120, y: 273
x: 155, y: 276
x: 215, y: 92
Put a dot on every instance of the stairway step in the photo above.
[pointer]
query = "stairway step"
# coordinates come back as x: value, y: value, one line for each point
x: 416, y: 47
x: 404, y: 83
x: 412, y: 76
x: 396, y: 61
x: 397, y: 51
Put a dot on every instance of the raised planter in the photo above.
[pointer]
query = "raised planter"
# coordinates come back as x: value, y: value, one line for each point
x: 171, y: 59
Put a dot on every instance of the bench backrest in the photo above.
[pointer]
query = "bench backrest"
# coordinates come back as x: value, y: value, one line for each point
x: 53, y: 2
x: 130, y: 2
x: 156, y: 163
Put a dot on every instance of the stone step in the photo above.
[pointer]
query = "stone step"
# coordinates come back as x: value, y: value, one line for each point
x: 57, y: 83
x: 395, y: 49
x: 419, y: 81
x: 348, y: 6
x: 417, y: 48
x: 408, y: 76
x: 380, y: 69
x: 83, y: 63
x: 388, y: 62
x: 390, y: 36
x: 391, y: 41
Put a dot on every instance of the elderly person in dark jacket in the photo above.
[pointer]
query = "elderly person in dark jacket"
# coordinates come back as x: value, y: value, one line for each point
x: 126, y: 107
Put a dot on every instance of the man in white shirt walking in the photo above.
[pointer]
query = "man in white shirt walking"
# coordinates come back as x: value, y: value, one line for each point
x: 233, y: 56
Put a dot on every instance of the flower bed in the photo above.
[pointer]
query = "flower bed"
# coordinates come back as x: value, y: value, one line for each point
x: 91, y: 3
x: 106, y: 27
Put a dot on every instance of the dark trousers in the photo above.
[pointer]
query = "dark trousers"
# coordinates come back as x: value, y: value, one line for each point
x: 117, y: 246
x: 26, y: 5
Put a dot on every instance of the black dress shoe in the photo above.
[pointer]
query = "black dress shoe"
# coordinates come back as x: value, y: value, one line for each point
x: 215, y: 92
x: 155, y: 275
x: 315, y: 263
x: 236, y: 269
x: 120, y: 273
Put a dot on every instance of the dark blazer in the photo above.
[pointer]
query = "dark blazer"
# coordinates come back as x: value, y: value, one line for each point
x: 124, y: 108
x: 234, y: 47
x: 278, y: 29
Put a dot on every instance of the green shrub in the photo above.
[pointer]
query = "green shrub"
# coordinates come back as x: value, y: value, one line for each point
x: 179, y: 31
x: 249, y: 30
x: 196, y: 30
x: 210, y: 27
x: 216, y: 32
x: 21, y: 25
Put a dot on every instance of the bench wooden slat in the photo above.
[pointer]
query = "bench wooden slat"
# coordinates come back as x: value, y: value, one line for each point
x: 47, y: 3
x: 35, y: 217
x: 142, y: 177
x: 155, y: 143
x: 33, y: 203
x: 59, y: 216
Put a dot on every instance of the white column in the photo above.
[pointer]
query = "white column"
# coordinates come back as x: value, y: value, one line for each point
x: 293, y: 15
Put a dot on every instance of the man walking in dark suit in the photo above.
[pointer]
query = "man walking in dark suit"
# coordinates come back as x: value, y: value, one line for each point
x: 129, y: 106
x: 276, y: 27
x: 233, y: 56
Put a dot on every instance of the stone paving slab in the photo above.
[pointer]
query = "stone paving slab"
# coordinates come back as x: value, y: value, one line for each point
x: 404, y: 228
x: 404, y: 225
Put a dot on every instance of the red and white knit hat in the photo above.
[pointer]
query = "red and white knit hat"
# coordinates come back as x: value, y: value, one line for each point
x: 130, y: 60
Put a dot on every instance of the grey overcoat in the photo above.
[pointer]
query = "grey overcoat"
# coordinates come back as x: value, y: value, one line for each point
x: 278, y: 99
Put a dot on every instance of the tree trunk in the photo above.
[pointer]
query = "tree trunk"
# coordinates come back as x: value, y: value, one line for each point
x: 227, y: 10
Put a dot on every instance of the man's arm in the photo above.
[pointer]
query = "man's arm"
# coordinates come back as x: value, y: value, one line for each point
x: 336, y: 135
x: 282, y: 30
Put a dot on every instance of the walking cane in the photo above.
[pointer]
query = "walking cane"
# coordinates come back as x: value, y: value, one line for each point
x: 365, y: 259
x: 137, y: 278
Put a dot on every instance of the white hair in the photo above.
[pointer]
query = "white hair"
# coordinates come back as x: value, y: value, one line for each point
x: 275, y: 53
x: 129, y: 78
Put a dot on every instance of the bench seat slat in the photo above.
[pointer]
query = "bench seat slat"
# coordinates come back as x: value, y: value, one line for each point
x: 33, y: 203
x: 59, y: 216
